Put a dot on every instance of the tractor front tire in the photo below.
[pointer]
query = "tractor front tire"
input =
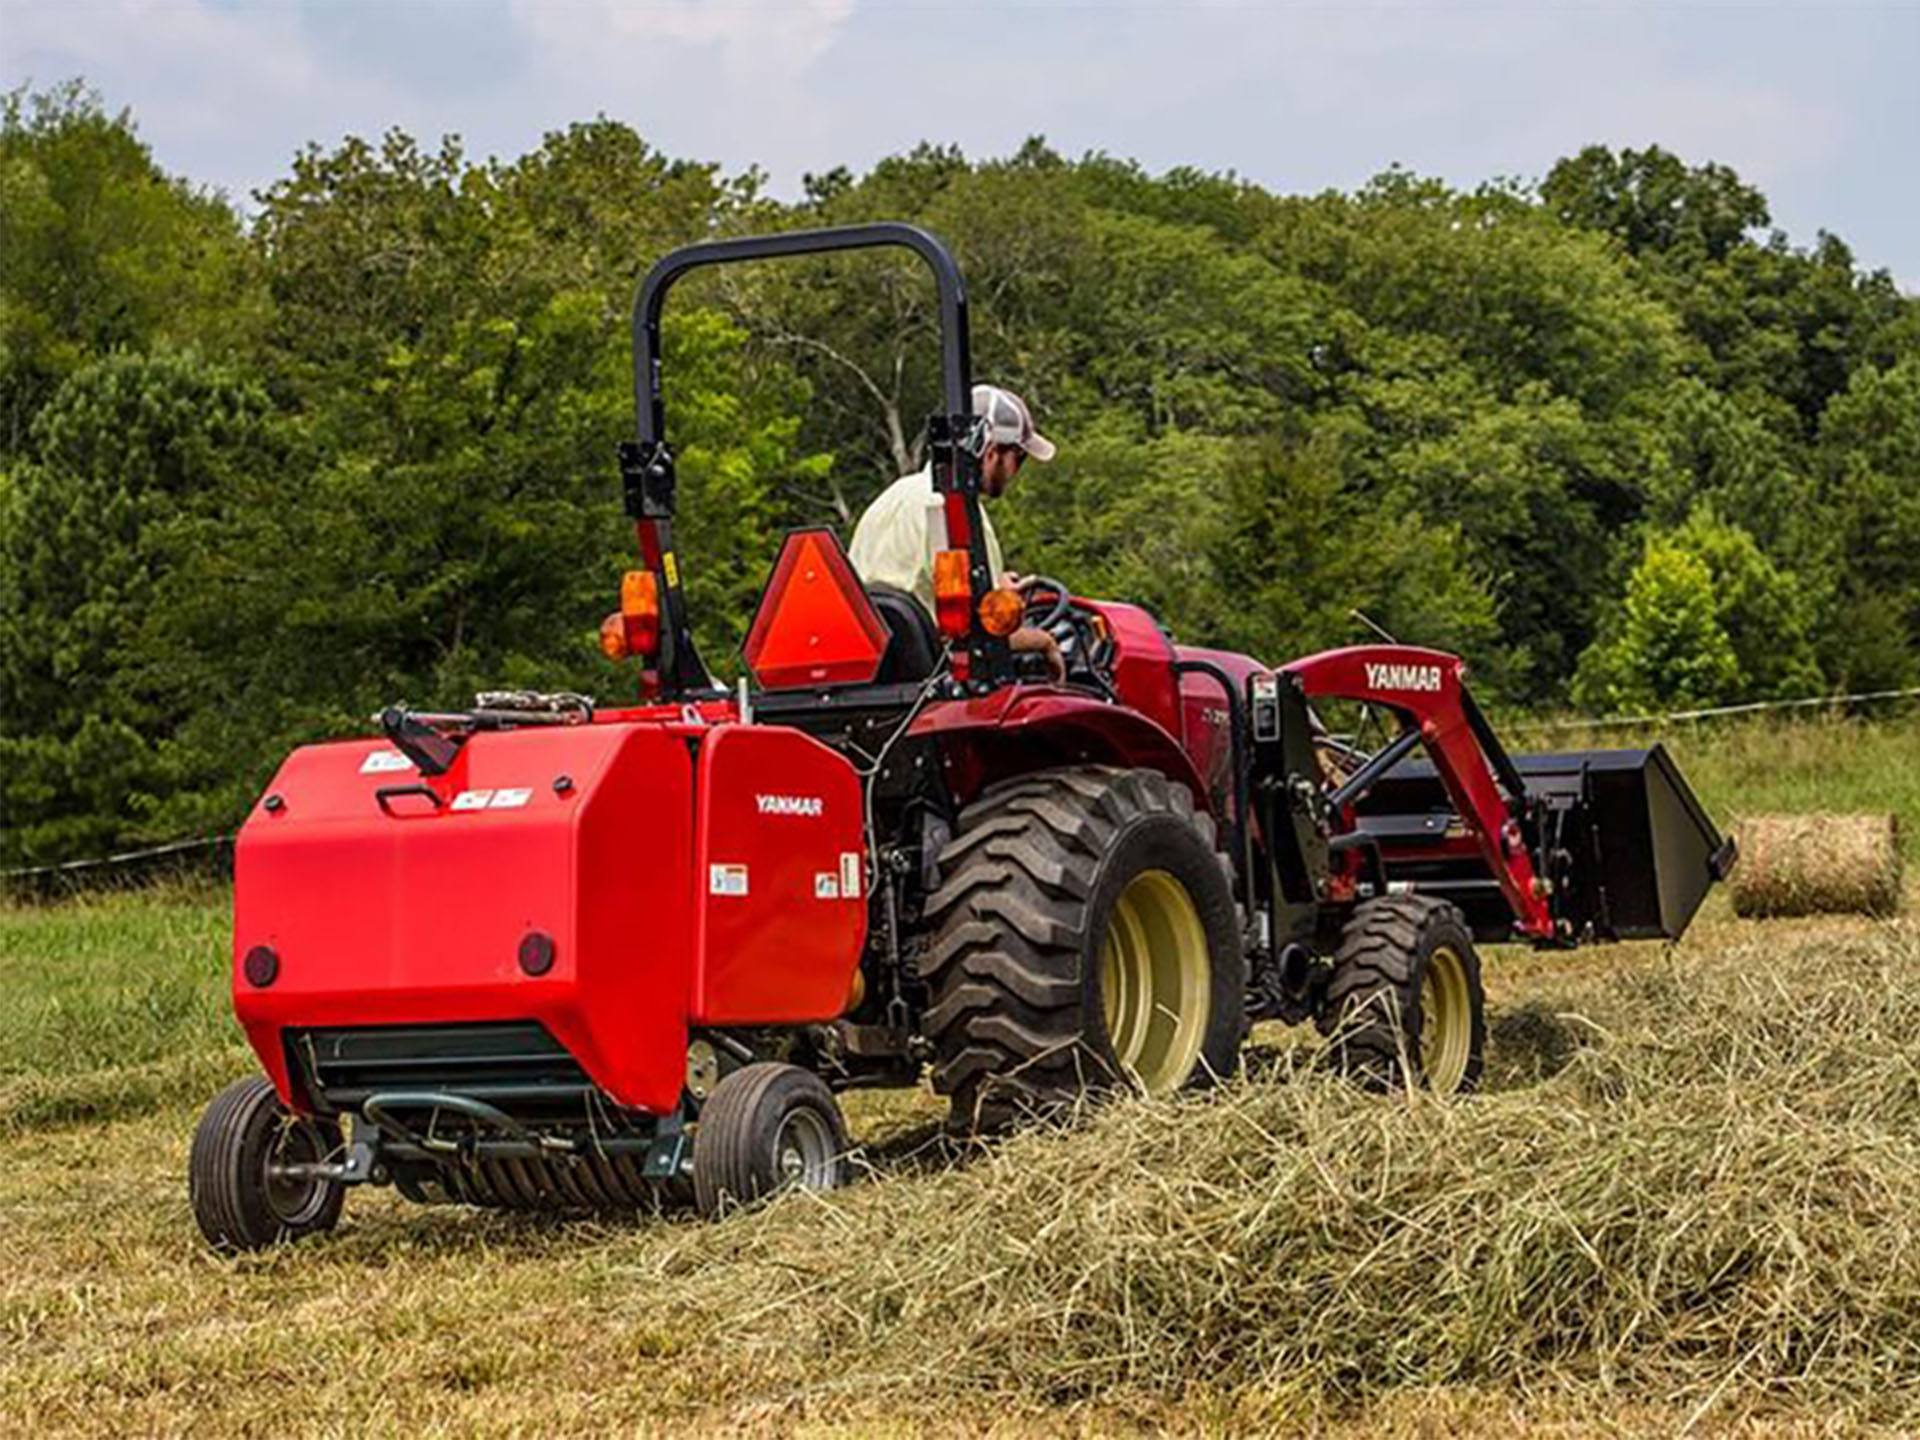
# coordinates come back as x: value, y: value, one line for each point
x: 767, y: 1127
x: 1404, y: 1006
x: 237, y: 1203
x: 1084, y: 939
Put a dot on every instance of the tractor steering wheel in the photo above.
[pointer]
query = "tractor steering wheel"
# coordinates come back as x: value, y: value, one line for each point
x: 1044, y: 613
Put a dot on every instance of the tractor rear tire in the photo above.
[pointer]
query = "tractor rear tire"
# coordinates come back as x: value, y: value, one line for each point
x: 1084, y: 939
x: 767, y: 1127
x: 237, y: 1204
x: 1404, y: 1005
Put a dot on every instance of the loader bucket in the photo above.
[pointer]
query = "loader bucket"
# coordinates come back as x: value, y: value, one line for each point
x: 1631, y: 852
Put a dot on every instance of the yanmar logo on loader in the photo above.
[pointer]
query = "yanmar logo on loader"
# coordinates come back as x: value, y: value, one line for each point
x: 1403, y: 677
x: 807, y: 805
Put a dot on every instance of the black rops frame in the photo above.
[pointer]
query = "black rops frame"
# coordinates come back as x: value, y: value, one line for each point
x: 647, y: 463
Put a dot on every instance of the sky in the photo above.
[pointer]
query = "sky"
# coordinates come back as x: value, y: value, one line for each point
x: 1816, y: 103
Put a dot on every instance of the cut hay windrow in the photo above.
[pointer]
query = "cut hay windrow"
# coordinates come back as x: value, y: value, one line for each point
x: 1690, y: 1191
x: 1817, y: 865
x: 1722, y: 1184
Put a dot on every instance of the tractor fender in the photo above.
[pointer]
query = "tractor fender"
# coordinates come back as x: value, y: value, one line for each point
x: 1027, y: 728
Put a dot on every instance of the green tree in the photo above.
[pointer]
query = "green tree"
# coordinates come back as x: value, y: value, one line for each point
x: 1869, y: 459
x: 99, y: 250
x: 1652, y: 200
x: 1669, y: 649
x: 1613, y: 438
x: 1767, y: 613
x: 458, y: 334
x: 1771, y: 323
x: 128, y: 451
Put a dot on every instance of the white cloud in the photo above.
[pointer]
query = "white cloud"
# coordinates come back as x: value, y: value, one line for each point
x: 720, y: 81
x: 1298, y: 96
x: 225, y: 95
x: 756, y: 41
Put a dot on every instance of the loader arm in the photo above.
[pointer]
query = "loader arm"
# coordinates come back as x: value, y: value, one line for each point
x: 1424, y: 688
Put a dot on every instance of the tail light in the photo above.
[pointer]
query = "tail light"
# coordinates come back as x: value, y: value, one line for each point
x: 639, y: 612
x: 952, y: 593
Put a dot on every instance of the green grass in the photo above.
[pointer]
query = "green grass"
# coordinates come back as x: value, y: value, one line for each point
x: 113, y: 1003
x: 1689, y: 1195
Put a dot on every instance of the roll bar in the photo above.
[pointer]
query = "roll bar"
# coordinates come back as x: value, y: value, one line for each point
x: 955, y: 439
x: 955, y: 354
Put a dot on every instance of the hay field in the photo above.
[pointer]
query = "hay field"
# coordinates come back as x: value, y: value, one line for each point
x: 1689, y: 1197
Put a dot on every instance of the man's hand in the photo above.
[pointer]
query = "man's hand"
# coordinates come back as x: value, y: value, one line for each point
x: 1031, y: 640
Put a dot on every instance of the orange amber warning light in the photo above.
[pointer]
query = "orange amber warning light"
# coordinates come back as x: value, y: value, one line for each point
x: 613, y: 637
x: 952, y: 593
x: 1001, y: 611
x: 633, y: 629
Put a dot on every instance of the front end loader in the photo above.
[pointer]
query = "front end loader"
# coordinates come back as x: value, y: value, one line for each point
x: 547, y: 954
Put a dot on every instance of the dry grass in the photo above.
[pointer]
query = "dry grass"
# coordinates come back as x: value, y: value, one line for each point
x: 1690, y: 1196
x: 1817, y: 865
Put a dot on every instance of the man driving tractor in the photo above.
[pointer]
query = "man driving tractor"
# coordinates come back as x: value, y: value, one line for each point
x: 890, y: 543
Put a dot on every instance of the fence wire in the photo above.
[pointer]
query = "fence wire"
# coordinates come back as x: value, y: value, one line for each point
x: 1752, y: 707
x: 79, y: 868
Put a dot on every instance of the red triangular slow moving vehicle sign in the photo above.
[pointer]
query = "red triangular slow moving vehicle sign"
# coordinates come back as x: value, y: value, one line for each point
x: 815, y: 625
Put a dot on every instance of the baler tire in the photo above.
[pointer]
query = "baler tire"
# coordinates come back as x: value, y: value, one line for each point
x: 233, y: 1201
x: 742, y: 1152
x: 1021, y: 930
x: 1376, y: 1005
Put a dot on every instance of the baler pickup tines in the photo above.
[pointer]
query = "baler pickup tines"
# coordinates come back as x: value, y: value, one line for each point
x: 379, y: 1112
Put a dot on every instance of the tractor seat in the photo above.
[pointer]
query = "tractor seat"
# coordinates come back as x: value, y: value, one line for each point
x: 913, y: 646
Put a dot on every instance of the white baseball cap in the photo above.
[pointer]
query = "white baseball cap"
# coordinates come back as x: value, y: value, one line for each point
x: 1009, y: 422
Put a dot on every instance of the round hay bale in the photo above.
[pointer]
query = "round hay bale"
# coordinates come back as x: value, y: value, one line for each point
x: 1817, y: 865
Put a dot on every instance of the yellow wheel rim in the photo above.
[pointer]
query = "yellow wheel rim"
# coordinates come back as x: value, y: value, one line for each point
x: 1446, y: 1021
x: 1156, y: 981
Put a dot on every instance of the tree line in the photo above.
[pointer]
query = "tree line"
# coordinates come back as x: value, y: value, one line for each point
x: 262, y: 470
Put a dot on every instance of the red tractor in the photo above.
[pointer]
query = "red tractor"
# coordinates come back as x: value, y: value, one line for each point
x: 545, y: 954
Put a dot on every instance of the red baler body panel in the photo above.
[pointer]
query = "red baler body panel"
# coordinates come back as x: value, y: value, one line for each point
x: 597, y: 836
x: 781, y: 812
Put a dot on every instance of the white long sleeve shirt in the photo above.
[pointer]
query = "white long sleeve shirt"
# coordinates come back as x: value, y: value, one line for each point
x: 891, y: 544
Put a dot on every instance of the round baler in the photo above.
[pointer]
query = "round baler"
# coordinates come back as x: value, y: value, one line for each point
x: 547, y: 954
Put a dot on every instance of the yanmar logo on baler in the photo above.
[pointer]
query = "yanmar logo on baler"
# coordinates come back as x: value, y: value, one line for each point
x: 807, y: 805
x: 1403, y: 677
